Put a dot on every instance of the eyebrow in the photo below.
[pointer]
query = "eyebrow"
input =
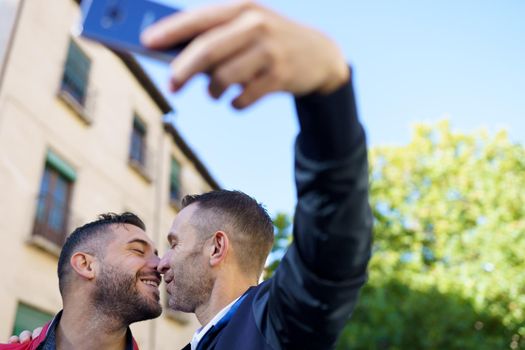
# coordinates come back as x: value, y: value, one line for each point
x: 143, y: 242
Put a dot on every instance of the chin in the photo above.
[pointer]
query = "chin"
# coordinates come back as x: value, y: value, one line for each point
x: 175, y: 305
x: 151, y: 311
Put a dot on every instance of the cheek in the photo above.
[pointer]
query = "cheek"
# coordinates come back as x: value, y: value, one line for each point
x: 136, y: 264
x: 174, y: 261
x: 177, y: 256
x: 184, y: 272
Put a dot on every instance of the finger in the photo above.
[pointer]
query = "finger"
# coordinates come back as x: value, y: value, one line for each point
x: 186, y: 25
x: 257, y: 88
x: 25, y: 336
x: 13, y: 340
x: 215, y: 46
x: 240, y: 69
x: 36, y: 332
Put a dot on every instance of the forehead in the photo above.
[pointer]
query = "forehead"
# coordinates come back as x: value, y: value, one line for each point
x: 124, y: 233
x: 183, y: 225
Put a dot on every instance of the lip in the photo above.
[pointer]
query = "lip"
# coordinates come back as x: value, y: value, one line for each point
x: 152, y: 287
x: 152, y: 281
x: 168, y: 276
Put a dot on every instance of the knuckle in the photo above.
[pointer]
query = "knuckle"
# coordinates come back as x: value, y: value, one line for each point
x: 277, y: 81
x: 203, y: 50
x: 221, y: 78
x: 247, y: 4
x: 207, y: 56
x: 258, y: 21
x: 268, y: 52
x: 13, y: 339
x: 276, y: 76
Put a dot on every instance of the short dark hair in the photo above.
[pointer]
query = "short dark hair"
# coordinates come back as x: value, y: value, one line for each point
x: 91, y: 237
x: 251, y: 225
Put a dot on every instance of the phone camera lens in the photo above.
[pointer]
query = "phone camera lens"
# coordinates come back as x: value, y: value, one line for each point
x: 113, y: 15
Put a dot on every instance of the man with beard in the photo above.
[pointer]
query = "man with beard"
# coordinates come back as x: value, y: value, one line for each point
x: 219, y: 241
x: 108, y: 279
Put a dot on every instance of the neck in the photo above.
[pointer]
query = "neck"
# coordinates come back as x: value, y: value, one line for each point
x: 224, y: 292
x: 84, y: 328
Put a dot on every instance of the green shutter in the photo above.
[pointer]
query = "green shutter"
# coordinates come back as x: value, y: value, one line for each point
x: 76, y: 72
x: 174, y: 180
x: 175, y: 172
x: 139, y: 125
x: 62, y: 167
x: 29, y: 318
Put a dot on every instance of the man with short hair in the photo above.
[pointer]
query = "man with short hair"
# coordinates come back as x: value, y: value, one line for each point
x: 108, y: 279
x: 220, y: 240
x: 241, y: 229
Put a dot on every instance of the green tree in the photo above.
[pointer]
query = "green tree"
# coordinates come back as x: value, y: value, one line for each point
x: 282, y: 224
x: 447, y: 270
x: 448, y: 260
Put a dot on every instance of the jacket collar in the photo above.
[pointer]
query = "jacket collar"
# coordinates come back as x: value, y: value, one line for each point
x: 47, y: 339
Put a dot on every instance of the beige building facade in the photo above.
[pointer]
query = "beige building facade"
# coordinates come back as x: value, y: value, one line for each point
x: 81, y: 133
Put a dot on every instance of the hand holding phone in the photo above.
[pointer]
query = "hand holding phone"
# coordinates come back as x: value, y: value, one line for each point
x: 118, y: 24
x: 238, y: 43
x: 246, y: 44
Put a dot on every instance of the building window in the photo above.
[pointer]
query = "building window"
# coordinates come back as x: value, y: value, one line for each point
x: 29, y: 318
x: 137, y: 152
x: 76, y: 73
x: 53, y: 200
x: 175, y: 188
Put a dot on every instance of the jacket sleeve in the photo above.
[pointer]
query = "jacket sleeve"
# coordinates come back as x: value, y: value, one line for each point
x: 315, y: 288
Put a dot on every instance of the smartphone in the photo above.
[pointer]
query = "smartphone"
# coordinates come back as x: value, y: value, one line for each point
x: 119, y: 23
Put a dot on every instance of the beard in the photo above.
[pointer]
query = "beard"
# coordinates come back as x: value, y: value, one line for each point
x: 117, y: 296
x: 191, y: 286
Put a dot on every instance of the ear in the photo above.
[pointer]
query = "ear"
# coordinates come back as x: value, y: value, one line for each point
x: 219, y: 248
x: 83, y: 264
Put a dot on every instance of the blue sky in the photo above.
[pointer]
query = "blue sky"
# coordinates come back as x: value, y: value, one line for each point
x: 414, y: 61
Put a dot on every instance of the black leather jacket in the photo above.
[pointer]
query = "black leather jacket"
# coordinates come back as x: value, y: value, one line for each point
x: 307, y: 302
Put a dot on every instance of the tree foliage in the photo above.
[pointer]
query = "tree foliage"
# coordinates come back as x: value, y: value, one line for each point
x: 447, y: 270
x: 283, y: 237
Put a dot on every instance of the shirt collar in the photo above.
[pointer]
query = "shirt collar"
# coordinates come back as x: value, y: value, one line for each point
x: 49, y: 342
x: 199, y: 333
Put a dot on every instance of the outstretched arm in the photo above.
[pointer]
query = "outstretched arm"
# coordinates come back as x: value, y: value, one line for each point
x: 315, y: 289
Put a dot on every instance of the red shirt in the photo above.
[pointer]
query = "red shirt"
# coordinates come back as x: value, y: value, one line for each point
x: 30, y: 345
x: 49, y: 331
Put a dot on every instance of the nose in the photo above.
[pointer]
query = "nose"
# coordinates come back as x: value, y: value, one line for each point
x: 163, y: 265
x: 155, y: 261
